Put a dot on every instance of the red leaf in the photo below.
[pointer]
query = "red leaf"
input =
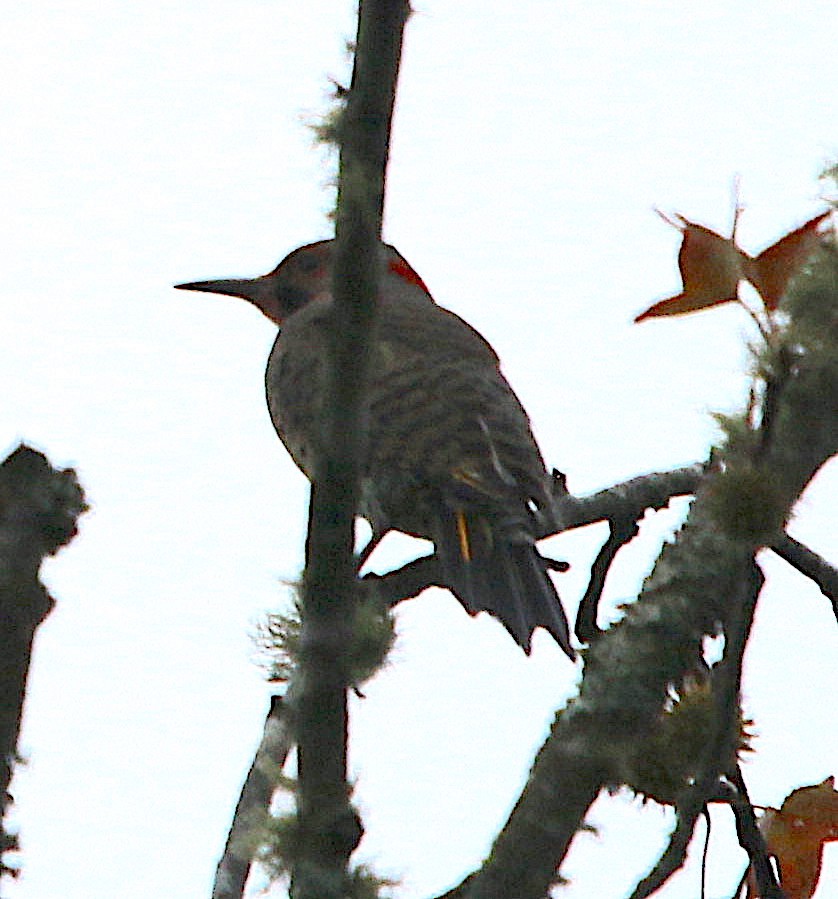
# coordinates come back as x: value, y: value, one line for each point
x: 797, y: 833
x: 711, y: 268
x: 776, y: 265
x: 680, y: 304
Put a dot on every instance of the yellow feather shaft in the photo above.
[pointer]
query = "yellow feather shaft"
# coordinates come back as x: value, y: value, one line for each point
x: 462, y: 533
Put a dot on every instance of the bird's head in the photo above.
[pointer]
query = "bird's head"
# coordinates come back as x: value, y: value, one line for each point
x: 305, y: 275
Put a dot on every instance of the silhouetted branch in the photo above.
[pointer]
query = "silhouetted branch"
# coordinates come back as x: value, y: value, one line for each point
x: 329, y: 828
x: 740, y: 506
x: 620, y: 532
x: 721, y: 746
x: 628, y: 500
x: 752, y: 840
x: 405, y: 582
x: 631, y: 499
x: 622, y: 505
x: 254, y: 803
x: 812, y: 565
x: 39, y: 506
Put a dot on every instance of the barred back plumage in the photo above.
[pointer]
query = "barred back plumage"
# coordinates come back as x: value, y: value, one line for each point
x: 448, y: 450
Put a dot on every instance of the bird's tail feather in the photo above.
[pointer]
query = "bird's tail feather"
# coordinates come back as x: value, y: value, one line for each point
x: 495, y: 567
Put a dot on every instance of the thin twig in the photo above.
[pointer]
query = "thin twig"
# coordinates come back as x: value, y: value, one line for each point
x: 812, y: 565
x: 629, y: 499
x: 621, y: 530
x: 752, y: 840
x: 622, y: 505
x: 254, y: 802
x: 405, y: 582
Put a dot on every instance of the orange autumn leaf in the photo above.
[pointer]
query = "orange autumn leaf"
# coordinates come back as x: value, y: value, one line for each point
x: 771, y: 271
x: 711, y: 268
x: 796, y: 834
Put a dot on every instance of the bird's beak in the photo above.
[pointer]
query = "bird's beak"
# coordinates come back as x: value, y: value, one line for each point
x: 247, y: 288
x: 258, y: 291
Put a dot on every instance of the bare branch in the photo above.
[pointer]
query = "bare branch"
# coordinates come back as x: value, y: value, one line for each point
x: 405, y: 582
x: 621, y: 531
x: 752, y: 840
x: 719, y: 753
x: 39, y: 506
x: 811, y: 564
x: 628, y: 500
x: 329, y: 828
x: 254, y: 803
x: 739, y: 507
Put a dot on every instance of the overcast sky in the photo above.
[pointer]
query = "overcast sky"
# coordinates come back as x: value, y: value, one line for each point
x: 148, y: 144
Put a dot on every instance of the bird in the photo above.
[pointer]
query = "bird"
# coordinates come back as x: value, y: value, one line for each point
x: 447, y: 451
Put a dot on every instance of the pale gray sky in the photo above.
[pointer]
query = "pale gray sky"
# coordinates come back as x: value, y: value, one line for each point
x: 150, y: 144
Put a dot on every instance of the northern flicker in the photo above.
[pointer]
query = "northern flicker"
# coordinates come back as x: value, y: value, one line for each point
x: 448, y: 451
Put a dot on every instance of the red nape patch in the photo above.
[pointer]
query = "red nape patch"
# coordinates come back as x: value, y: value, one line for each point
x: 403, y: 270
